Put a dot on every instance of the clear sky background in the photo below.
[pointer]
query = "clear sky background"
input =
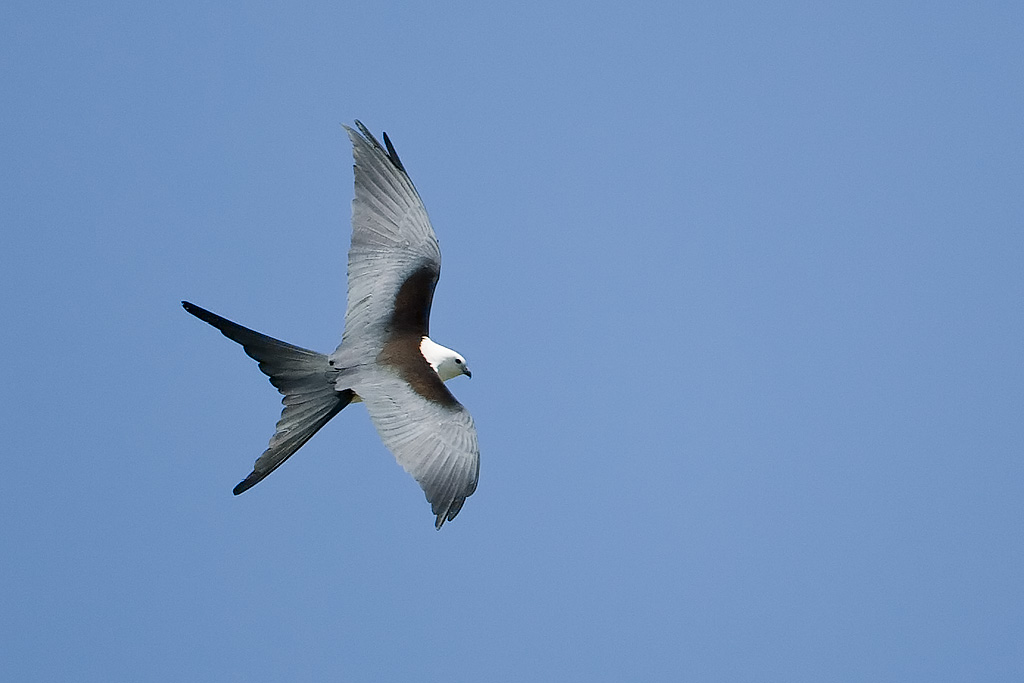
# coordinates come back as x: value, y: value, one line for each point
x: 740, y: 283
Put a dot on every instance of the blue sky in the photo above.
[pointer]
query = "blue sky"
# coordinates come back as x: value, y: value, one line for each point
x: 740, y: 285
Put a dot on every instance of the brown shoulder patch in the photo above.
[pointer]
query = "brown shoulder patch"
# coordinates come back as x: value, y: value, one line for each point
x: 402, y: 352
x: 410, y: 322
x: 411, y: 314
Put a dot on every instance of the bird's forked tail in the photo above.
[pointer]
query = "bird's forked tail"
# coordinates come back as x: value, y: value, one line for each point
x: 303, y: 376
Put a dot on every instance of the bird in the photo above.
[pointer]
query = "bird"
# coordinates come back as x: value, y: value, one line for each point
x: 386, y: 359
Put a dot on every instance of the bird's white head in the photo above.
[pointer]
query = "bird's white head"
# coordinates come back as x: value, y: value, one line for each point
x: 446, y: 363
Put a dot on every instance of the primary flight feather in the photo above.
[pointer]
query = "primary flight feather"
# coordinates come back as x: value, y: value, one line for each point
x: 386, y: 358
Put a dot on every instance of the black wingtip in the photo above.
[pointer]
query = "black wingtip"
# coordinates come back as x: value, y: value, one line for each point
x: 394, y: 155
x: 448, y: 514
x: 388, y: 149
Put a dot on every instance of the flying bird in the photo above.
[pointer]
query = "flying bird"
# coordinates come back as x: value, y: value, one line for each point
x: 386, y: 358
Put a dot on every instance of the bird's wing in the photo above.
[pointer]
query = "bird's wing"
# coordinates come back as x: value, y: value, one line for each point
x: 434, y: 441
x: 391, y: 237
x: 393, y: 267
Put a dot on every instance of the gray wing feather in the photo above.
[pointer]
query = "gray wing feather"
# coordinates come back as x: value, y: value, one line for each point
x: 436, y: 444
x: 391, y: 234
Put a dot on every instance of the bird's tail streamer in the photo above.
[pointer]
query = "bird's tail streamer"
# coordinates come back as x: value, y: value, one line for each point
x: 303, y: 376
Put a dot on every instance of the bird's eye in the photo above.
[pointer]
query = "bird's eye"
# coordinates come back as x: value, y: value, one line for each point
x: 458, y: 361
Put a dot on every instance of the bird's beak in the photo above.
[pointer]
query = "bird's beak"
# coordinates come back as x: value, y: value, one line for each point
x: 466, y: 372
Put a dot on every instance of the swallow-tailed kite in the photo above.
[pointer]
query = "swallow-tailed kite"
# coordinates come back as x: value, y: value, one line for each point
x: 385, y: 358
